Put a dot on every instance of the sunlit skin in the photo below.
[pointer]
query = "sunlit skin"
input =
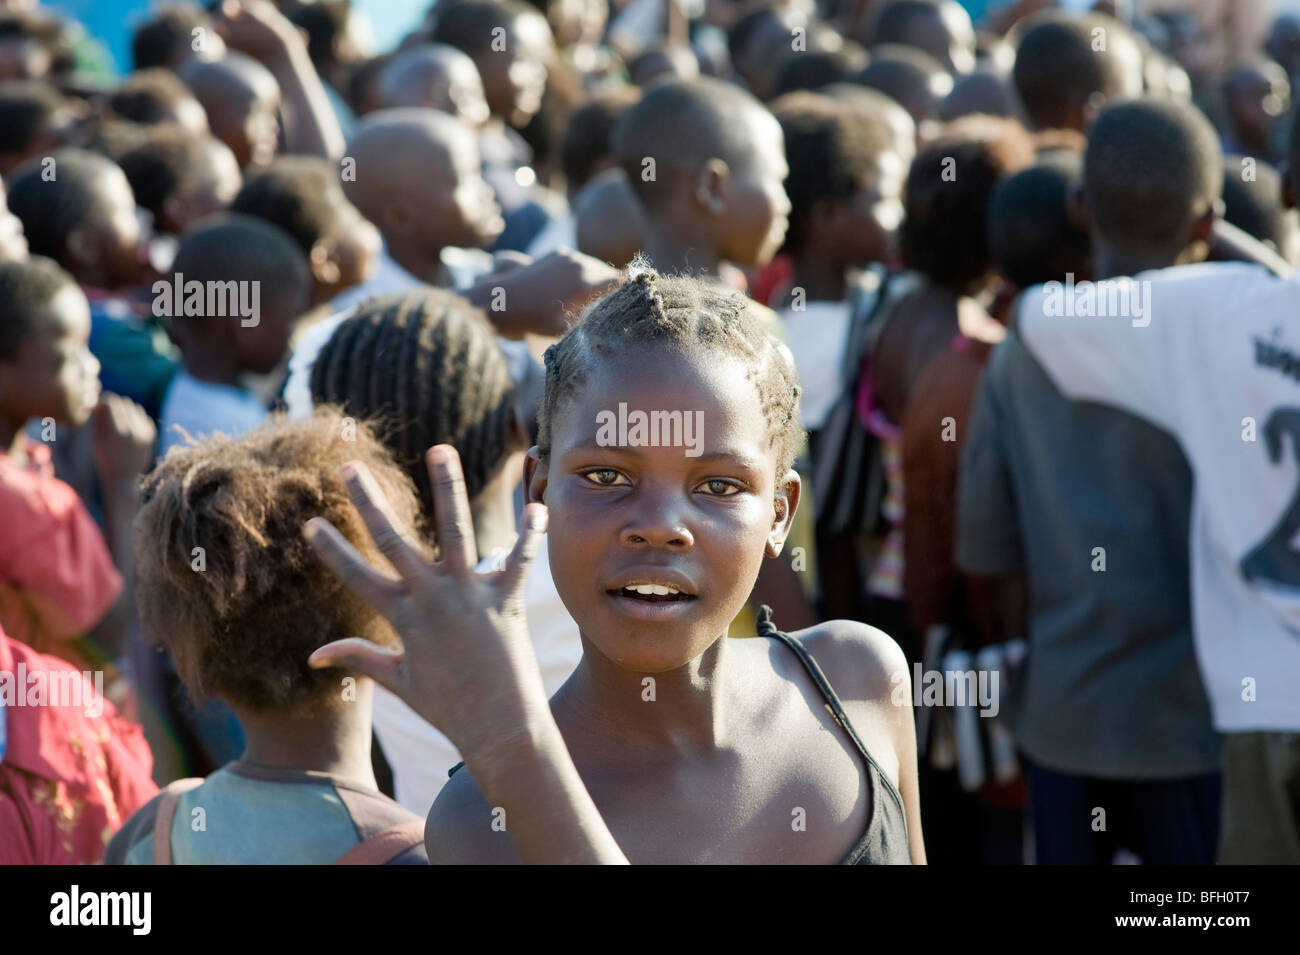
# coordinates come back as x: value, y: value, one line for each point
x: 736, y: 734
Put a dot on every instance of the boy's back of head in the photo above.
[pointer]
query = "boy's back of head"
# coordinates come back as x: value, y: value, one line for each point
x: 1068, y: 67
x: 1151, y: 171
x: 1032, y: 236
x: 240, y: 258
x: 945, y: 229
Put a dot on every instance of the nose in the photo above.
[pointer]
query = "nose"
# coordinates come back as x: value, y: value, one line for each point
x: 655, y: 522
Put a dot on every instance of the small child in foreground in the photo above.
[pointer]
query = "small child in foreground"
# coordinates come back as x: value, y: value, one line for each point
x: 304, y: 791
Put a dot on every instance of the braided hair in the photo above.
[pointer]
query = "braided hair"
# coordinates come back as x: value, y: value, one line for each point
x: 678, y: 312
x: 423, y: 368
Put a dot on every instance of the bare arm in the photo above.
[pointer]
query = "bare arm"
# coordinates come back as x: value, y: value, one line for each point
x: 467, y: 664
x: 255, y: 27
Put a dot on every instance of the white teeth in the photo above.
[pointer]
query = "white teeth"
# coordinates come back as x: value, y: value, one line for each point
x: 656, y: 590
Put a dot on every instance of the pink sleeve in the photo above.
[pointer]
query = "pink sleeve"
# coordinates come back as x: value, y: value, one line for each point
x: 55, y: 556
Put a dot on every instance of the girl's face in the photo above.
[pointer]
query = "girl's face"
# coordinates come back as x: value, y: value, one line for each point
x: 693, y: 515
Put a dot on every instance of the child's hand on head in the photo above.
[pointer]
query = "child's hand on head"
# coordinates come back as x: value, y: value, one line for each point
x: 123, y: 439
x: 467, y: 664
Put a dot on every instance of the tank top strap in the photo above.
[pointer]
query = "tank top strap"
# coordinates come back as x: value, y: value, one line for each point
x: 767, y: 628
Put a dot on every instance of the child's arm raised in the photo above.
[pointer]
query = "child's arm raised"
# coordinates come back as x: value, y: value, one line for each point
x: 467, y: 664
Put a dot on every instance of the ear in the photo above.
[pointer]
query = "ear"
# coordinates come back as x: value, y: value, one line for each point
x: 711, y: 186
x: 82, y: 247
x: 1203, y: 227
x: 784, y: 503
x: 535, y: 474
x: 323, y: 267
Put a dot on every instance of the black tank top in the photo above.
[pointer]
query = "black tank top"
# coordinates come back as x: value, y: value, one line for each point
x: 885, y: 840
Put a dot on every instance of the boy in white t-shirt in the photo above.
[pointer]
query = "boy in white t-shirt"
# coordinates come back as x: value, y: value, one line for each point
x: 1211, y: 353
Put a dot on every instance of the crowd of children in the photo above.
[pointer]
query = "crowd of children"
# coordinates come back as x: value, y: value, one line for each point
x: 950, y: 498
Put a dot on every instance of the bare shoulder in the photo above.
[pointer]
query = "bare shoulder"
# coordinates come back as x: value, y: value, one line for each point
x: 863, y: 664
x: 462, y: 829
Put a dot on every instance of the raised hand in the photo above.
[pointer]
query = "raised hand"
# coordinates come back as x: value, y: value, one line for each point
x: 466, y: 665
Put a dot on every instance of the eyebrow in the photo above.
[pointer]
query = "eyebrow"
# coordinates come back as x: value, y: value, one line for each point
x: 708, y: 457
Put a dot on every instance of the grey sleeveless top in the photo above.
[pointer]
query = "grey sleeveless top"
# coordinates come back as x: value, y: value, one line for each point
x: 885, y: 841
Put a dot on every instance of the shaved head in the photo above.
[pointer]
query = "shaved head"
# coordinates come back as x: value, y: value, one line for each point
x: 681, y: 124
x: 436, y: 76
x: 234, y: 75
x: 398, y: 150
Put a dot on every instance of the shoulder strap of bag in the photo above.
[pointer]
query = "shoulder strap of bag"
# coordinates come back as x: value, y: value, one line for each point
x: 162, y: 820
x: 383, y: 847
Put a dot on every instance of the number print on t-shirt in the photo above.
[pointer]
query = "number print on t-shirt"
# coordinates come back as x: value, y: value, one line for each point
x: 1274, y: 559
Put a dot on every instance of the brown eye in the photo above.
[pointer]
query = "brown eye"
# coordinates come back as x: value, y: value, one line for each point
x: 605, y: 477
x: 718, y: 487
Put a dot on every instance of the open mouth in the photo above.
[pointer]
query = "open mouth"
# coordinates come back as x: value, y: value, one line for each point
x: 651, y: 593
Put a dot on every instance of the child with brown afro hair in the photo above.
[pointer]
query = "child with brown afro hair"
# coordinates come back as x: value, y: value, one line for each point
x: 230, y: 585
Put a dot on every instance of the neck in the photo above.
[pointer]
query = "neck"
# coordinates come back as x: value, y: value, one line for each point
x: 422, y: 262
x: 688, y: 715
x: 1111, y: 261
x: 210, y: 364
x: 332, y: 739
x: 675, y: 248
x: 820, y: 276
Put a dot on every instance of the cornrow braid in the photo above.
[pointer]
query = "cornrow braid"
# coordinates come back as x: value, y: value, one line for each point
x: 423, y: 368
x: 682, y: 313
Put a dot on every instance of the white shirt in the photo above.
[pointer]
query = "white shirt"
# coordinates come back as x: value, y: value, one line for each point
x: 202, y: 408
x: 1218, y: 366
x: 818, y: 334
x: 419, y: 755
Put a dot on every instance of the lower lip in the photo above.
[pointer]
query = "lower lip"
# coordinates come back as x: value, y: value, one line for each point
x: 653, y: 611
